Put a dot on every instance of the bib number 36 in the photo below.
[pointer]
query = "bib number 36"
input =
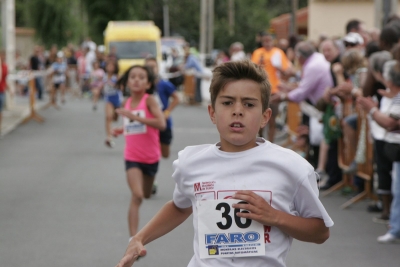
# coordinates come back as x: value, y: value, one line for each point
x: 226, y: 209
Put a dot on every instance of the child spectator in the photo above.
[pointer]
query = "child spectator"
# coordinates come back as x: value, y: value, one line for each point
x: 58, y: 73
x: 244, y: 179
x: 97, y: 77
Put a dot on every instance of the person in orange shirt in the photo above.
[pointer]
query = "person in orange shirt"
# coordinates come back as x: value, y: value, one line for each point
x: 274, y: 62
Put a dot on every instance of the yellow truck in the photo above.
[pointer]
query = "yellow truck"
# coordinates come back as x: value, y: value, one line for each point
x: 132, y: 42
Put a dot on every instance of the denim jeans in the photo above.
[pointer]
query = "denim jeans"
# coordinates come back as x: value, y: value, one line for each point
x: 39, y: 84
x: 395, y: 209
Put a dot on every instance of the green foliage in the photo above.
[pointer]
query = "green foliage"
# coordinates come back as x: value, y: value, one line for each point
x: 250, y: 18
x: 21, y: 14
x: 54, y: 21
x: 63, y: 21
x: 185, y: 19
x: 100, y: 12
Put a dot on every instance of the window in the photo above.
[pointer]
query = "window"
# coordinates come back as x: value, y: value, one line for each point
x: 135, y: 50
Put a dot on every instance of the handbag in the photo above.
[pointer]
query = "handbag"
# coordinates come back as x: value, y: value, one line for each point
x: 392, y: 151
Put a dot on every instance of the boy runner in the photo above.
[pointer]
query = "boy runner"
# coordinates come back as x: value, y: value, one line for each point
x: 247, y: 200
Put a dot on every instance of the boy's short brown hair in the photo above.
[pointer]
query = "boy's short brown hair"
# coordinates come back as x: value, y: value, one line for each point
x: 240, y: 70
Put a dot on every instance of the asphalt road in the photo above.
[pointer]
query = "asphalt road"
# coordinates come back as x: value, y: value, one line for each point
x: 64, y: 200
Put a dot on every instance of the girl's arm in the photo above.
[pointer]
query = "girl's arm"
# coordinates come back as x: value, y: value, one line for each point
x: 157, y: 122
x: 167, y: 219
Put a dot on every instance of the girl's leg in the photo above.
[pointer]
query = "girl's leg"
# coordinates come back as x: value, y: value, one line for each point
x: 165, y: 150
x: 53, y: 101
x: 148, y: 182
x: 62, y: 90
x: 109, y: 118
x: 135, y: 182
x: 95, y: 95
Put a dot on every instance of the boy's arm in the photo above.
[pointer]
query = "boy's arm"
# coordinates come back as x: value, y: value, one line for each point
x: 172, y: 105
x: 169, y: 217
x: 303, y: 229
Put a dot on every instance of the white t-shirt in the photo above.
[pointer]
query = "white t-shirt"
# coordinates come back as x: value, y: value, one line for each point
x: 59, y: 71
x: 377, y: 131
x: 394, y: 111
x: 281, y: 176
x: 237, y: 56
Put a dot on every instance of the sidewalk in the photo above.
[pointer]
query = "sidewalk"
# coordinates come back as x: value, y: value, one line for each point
x: 18, y: 112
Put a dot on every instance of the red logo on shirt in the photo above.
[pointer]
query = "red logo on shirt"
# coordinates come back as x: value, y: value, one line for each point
x: 197, y: 187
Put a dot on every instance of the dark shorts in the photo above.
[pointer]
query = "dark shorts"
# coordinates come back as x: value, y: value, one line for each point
x: 57, y: 85
x: 114, y: 100
x: 147, y: 169
x: 166, y: 136
x: 383, y: 168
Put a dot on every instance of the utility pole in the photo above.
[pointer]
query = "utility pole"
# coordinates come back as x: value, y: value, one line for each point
x: 293, y: 20
x: 231, y: 17
x: 210, y: 39
x: 386, y: 9
x: 378, y: 13
x: 8, y: 37
x: 203, y: 26
x: 166, y: 18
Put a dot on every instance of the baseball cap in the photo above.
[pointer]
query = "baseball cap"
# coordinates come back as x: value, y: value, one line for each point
x: 353, y: 38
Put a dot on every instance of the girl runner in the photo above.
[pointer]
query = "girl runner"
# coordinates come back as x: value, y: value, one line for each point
x: 142, y: 121
x: 58, y: 70
x: 97, y: 78
x: 113, y: 98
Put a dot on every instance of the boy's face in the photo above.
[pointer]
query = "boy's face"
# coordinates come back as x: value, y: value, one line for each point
x: 238, y: 115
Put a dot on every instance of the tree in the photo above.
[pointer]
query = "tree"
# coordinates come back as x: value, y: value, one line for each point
x: 54, y: 21
x: 100, y: 12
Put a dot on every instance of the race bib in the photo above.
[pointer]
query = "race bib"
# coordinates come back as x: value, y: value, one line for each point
x: 135, y: 127
x: 223, y: 234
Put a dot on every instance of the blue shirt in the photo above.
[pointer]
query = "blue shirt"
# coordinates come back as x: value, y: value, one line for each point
x: 193, y: 63
x: 164, y: 90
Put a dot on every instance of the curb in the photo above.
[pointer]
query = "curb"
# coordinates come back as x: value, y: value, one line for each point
x: 15, y: 116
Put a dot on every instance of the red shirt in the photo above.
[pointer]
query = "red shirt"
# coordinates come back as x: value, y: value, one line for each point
x: 4, y: 73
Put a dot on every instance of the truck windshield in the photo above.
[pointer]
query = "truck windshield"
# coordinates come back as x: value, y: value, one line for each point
x: 134, y: 50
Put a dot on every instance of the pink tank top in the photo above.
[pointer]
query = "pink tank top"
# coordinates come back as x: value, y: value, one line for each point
x: 142, y: 141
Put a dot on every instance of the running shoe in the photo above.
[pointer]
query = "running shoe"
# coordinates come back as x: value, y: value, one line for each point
x: 154, y: 189
x: 383, y: 219
x: 109, y: 143
x: 388, y: 238
x: 374, y: 207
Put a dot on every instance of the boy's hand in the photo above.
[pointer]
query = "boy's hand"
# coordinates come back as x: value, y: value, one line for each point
x: 166, y: 113
x: 259, y: 209
x: 134, y: 251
